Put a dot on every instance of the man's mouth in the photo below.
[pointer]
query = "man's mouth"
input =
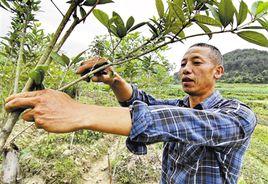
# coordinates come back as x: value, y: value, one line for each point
x: 187, y: 79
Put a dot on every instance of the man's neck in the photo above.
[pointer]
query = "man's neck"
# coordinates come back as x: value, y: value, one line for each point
x: 195, y: 100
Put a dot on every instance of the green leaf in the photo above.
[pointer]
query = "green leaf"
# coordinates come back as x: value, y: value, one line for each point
x: 158, y: 24
x: 176, y: 11
x: 38, y: 74
x: 65, y: 59
x: 207, y: 20
x: 137, y: 26
x: 205, y: 29
x: 56, y: 57
x: 113, y: 30
x: 35, y: 75
x: 89, y: 2
x: 78, y: 58
x: 44, y: 68
x: 102, y: 17
x: 243, y: 12
x: 181, y: 34
x: 190, y: 5
x: 254, y: 7
x: 93, y: 2
x: 226, y: 12
x: 178, y: 2
x: 160, y: 8
x: 6, y: 5
x: 120, y: 26
x: 130, y: 23
x: 3, y: 54
x: 118, y: 20
x: 175, y: 28
x: 6, y: 38
x: 259, y: 8
x: 153, y: 29
x: 254, y: 37
x: 214, y: 12
x: 18, y: 7
x: 1, y: 6
x: 264, y: 23
x: 262, y: 8
x: 82, y: 12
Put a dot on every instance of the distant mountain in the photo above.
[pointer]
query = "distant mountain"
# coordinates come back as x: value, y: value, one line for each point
x: 247, y: 66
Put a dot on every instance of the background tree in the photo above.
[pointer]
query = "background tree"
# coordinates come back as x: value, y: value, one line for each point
x: 150, y: 65
x: 18, y: 38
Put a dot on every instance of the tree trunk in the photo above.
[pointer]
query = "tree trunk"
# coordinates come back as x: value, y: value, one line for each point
x: 11, y: 169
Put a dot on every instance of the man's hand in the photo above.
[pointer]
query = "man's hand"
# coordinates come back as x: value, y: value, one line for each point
x: 56, y: 112
x: 120, y: 87
x: 51, y: 110
x: 102, y: 76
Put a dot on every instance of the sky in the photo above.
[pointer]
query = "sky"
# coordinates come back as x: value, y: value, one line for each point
x: 141, y: 10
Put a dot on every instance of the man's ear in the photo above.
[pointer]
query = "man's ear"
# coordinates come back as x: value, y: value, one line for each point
x: 219, y: 72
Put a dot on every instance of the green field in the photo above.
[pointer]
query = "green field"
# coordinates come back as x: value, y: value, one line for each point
x: 255, y: 166
x: 52, y: 158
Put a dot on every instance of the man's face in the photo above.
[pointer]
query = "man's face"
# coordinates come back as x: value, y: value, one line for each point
x: 199, y: 72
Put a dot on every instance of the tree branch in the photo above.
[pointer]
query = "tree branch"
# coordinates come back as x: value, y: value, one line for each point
x: 128, y: 58
x: 20, y: 58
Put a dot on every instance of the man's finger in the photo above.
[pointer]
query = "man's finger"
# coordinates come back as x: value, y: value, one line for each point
x: 20, y: 103
x: 89, y: 64
x: 24, y: 95
x: 83, y: 68
x: 28, y: 115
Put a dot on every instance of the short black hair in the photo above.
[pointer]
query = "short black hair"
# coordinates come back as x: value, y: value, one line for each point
x: 217, y: 56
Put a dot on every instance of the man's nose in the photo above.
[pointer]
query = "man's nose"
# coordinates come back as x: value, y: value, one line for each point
x: 187, y: 69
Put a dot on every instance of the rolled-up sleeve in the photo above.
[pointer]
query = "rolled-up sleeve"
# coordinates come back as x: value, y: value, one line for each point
x: 134, y: 96
x: 227, y: 125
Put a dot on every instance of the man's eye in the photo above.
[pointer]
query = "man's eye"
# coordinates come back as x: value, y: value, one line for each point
x: 183, y: 64
x: 197, y: 63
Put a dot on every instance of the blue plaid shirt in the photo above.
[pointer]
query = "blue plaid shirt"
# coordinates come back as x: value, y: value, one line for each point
x: 204, y: 144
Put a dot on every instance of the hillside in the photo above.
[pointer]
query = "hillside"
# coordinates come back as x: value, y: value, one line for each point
x: 246, y: 66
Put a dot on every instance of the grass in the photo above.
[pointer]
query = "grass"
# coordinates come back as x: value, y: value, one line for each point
x: 255, y: 166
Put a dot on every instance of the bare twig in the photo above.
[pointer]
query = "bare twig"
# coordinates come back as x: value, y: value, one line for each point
x: 72, y: 140
x: 116, y: 152
x: 57, y: 8
x: 21, y: 132
x: 110, y: 169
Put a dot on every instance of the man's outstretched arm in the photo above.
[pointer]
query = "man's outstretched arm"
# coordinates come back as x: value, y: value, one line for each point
x: 122, y: 90
x: 56, y: 112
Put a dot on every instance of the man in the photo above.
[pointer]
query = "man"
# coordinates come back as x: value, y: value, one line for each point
x: 204, y: 135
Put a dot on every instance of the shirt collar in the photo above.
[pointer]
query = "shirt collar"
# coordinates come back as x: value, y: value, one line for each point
x: 209, y: 102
